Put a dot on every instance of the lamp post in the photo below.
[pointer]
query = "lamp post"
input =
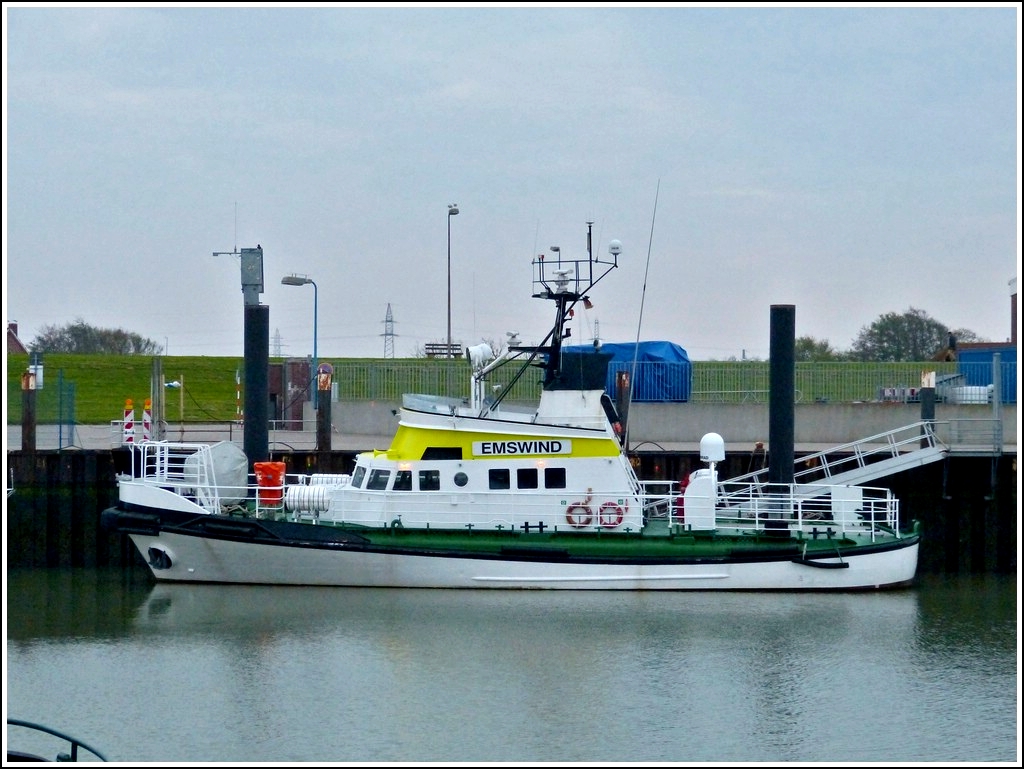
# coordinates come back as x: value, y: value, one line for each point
x: 301, y: 280
x: 453, y: 210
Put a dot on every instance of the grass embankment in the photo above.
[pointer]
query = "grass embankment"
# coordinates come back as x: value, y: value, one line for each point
x: 102, y: 383
x: 99, y: 385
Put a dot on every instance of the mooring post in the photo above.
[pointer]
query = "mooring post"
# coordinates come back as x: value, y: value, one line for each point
x: 28, y: 411
x: 324, y: 375
x: 927, y: 396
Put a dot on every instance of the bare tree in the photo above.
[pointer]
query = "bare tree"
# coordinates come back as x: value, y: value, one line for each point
x: 80, y: 337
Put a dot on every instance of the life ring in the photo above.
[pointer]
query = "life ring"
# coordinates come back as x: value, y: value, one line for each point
x: 578, y: 515
x: 610, y: 515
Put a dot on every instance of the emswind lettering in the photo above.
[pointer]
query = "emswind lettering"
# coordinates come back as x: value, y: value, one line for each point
x: 517, y: 448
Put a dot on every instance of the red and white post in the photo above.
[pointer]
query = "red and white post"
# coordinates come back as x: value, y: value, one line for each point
x: 129, y: 422
x: 147, y: 420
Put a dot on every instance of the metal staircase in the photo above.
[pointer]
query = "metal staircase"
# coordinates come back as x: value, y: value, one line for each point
x: 861, y: 461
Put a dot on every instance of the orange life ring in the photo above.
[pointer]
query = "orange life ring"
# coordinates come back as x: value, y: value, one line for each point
x: 610, y: 515
x: 578, y: 522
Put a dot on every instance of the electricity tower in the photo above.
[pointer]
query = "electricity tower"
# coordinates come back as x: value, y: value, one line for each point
x: 389, y: 334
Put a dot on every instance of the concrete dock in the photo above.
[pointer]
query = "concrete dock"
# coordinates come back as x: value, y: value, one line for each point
x: 651, y: 428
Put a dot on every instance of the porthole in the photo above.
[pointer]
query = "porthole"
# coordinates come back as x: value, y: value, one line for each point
x: 461, y: 479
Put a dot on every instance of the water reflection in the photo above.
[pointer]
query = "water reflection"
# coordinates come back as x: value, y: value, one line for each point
x: 230, y: 673
x: 72, y: 603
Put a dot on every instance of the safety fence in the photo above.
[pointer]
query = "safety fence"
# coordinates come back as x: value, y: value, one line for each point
x: 54, y: 405
x: 650, y: 381
x: 702, y: 381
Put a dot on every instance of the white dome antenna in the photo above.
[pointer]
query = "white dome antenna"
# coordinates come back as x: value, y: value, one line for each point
x: 712, y: 448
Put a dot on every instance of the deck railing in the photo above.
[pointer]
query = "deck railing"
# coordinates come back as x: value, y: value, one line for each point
x: 747, y: 507
x: 74, y: 745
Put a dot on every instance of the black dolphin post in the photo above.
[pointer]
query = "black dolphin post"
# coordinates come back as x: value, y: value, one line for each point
x: 255, y: 439
x: 781, y: 394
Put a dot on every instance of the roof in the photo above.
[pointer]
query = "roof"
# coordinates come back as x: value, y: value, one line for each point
x: 14, y: 345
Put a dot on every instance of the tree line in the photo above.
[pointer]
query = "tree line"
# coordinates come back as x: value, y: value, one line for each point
x: 80, y: 337
x: 892, y: 338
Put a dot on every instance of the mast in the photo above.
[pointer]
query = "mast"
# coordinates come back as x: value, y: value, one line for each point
x: 566, y: 282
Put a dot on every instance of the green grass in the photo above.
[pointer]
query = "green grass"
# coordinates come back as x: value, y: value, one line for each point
x: 102, y: 383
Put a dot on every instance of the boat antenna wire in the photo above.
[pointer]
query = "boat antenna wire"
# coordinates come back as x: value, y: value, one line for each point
x: 643, y: 295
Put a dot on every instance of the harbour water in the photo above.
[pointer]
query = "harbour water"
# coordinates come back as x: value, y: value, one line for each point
x: 196, y: 673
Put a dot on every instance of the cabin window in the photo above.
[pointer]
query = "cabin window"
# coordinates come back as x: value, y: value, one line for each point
x: 403, y: 481
x: 442, y: 452
x: 499, y: 479
x: 554, y: 477
x: 526, y: 477
x: 430, y: 480
x: 461, y: 479
x: 378, y: 480
x: 357, y: 477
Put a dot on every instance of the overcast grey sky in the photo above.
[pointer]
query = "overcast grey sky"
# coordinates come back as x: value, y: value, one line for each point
x: 848, y: 161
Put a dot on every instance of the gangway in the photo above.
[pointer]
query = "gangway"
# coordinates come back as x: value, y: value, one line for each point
x: 861, y: 461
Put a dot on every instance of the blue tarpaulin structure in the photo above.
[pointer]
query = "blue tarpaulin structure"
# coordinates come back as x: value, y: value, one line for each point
x: 975, y: 365
x: 663, y: 369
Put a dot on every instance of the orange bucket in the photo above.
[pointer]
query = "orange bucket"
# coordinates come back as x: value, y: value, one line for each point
x: 270, y: 482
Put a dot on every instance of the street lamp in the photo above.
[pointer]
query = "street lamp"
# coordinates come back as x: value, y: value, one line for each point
x: 301, y: 280
x: 453, y: 210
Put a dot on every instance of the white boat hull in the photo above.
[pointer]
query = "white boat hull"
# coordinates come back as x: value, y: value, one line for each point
x: 202, y: 559
x: 472, y: 496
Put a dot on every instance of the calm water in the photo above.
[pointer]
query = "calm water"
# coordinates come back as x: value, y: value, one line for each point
x: 154, y: 673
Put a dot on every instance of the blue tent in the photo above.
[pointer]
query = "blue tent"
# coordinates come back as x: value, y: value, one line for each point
x: 974, y: 363
x: 663, y: 369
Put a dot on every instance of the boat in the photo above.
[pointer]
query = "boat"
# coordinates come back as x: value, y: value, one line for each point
x: 474, y: 493
x: 74, y: 745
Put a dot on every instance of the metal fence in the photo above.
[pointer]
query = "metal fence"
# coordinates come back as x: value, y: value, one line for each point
x: 54, y: 405
x: 703, y: 381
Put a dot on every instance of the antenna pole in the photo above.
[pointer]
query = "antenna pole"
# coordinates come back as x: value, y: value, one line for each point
x: 643, y: 295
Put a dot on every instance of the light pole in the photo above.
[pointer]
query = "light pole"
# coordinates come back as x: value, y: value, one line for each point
x: 453, y: 210
x: 301, y: 280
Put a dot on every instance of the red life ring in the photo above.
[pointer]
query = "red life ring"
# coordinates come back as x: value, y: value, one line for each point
x: 578, y: 522
x: 610, y: 516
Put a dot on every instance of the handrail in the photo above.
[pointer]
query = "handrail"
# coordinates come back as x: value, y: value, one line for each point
x: 887, y: 445
x: 75, y: 742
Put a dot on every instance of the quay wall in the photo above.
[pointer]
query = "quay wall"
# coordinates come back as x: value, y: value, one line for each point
x: 366, y: 425
x: 680, y: 426
x: 816, y: 426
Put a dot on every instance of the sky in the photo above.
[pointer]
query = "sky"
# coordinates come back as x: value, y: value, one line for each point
x: 849, y: 161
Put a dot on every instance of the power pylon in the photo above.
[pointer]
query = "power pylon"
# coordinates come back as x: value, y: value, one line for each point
x: 389, y: 334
